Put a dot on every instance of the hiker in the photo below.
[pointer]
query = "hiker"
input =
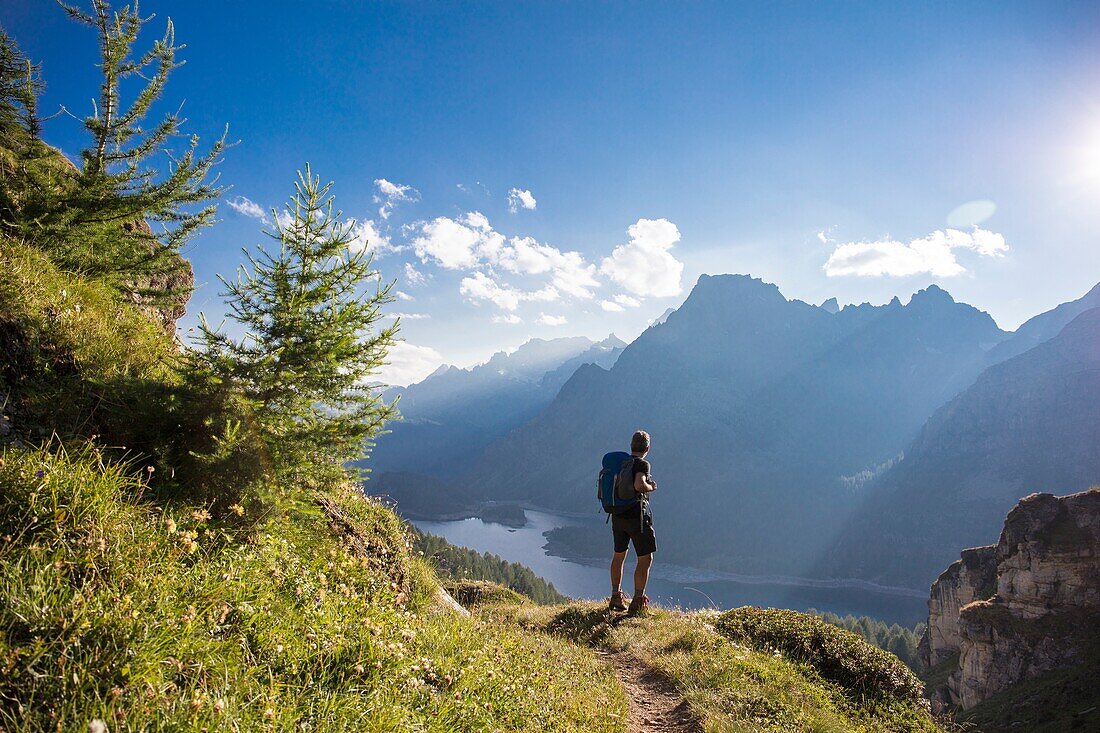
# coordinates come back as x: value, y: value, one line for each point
x: 633, y: 523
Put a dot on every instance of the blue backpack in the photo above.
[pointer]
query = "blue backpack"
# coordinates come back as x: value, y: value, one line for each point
x: 605, y: 485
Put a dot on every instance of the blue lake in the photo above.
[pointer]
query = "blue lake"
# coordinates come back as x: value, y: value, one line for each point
x: 682, y: 587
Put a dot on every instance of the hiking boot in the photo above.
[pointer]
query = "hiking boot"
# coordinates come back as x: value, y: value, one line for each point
x: 617, y: 602
x: 637, y: 605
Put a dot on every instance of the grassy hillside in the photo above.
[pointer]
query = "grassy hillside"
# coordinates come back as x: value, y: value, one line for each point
x: 752, y: 669
x: 157, y: 616
x: 152, y: 579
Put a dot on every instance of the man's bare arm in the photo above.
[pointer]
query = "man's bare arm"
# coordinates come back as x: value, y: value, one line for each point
x: 643, y: 484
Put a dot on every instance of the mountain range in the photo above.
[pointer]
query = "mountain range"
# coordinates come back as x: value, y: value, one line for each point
x: 1029, y: 424
x: 788, y: 438
x: 453, y: 414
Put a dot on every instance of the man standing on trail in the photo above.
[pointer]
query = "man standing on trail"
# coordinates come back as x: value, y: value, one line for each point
x: 635, y: 524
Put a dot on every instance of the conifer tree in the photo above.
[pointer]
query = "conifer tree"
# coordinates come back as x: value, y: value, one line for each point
x: 20, y: 86
x: 310, y: 311
x: 128, y: 214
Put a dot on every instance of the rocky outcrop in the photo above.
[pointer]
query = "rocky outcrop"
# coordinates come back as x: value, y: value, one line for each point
x: 971, y: 578
x: 1028, y: 605
x: 163, y: 294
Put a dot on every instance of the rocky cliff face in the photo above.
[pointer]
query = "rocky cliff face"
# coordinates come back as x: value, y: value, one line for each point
x: 1028, y: 605
x: 971, y: 578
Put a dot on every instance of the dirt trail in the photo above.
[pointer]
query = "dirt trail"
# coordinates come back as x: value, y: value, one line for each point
x: 655, y: 705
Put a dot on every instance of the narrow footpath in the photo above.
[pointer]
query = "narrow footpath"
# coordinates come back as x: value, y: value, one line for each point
x: 655, y: 705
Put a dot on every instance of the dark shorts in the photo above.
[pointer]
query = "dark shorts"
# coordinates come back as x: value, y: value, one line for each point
x: 638, y: 531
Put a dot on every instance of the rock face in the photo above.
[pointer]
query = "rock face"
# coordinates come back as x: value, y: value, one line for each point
x: 971, y: 578
x: 1030, y: 604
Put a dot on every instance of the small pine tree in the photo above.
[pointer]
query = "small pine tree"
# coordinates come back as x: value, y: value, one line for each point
x: 126, y: 217
x: 311, y: 341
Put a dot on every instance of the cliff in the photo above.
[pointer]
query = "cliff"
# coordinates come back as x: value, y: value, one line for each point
x: 971, y: 578
x: 1013, y: 612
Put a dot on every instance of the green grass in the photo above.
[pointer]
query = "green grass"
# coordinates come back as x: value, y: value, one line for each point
x: 742, y: 685
x: 78, y: 360
x: 158, y: 617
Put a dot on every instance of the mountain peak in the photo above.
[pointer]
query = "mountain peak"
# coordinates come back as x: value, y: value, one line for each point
x: 612, y: 342
x: 441, y: 369
x: 732, y: 290
x: 933, y: 294
x: 830, y: 306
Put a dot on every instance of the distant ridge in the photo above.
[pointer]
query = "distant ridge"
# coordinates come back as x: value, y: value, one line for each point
x: 1028, y: 424
x: 1044, y: 326
x: 451, y: 415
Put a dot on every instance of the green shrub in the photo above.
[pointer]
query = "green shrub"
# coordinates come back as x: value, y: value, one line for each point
x: 471, y: 593
x: 837, y: 655
x: 900, y: 641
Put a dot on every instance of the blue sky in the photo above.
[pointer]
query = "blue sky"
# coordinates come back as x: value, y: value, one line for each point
x: 825, y: 147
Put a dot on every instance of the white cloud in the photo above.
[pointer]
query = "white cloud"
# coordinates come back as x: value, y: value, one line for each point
x: 611, y: 306
x: 933, y: 254
x: 408, y: 316
x: 470, y: 241
x: 247, y: 207
x: 407, y: 363
x: 627, y: 301
x: 480, y: 286
x: 644, y: 266
x: 551, y: 320
x: 518, y: 199
x: 413, y: 276
x: 457, y: 244
x: 367, y: 237
x: 511, y: 319
x: 402, y: 295
x: 569, y: 271
x: 391, y: 194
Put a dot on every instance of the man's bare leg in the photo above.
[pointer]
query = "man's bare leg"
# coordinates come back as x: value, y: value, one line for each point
x: 617, y: 561
x: 641, y: 574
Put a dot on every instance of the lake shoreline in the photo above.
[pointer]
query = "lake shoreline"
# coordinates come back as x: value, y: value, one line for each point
x: 677, y: 572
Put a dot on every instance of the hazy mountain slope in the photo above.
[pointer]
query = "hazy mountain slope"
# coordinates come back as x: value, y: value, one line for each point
x: 1029, y: 424
x: 859, y: 401
x: 1044, y: 326
x: 757, y: 406
x: 453, y: 414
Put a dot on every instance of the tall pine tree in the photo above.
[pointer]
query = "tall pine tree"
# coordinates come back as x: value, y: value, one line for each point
x: 310, y: 312
x: 136, y: 198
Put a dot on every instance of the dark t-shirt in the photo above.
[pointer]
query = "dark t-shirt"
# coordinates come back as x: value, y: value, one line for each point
x: 641, y: 465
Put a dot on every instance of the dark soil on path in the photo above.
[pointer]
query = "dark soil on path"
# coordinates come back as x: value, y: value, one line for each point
x: 655, y: 705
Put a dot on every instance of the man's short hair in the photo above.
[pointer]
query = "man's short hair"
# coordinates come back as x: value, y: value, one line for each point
x: 639, y: 443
